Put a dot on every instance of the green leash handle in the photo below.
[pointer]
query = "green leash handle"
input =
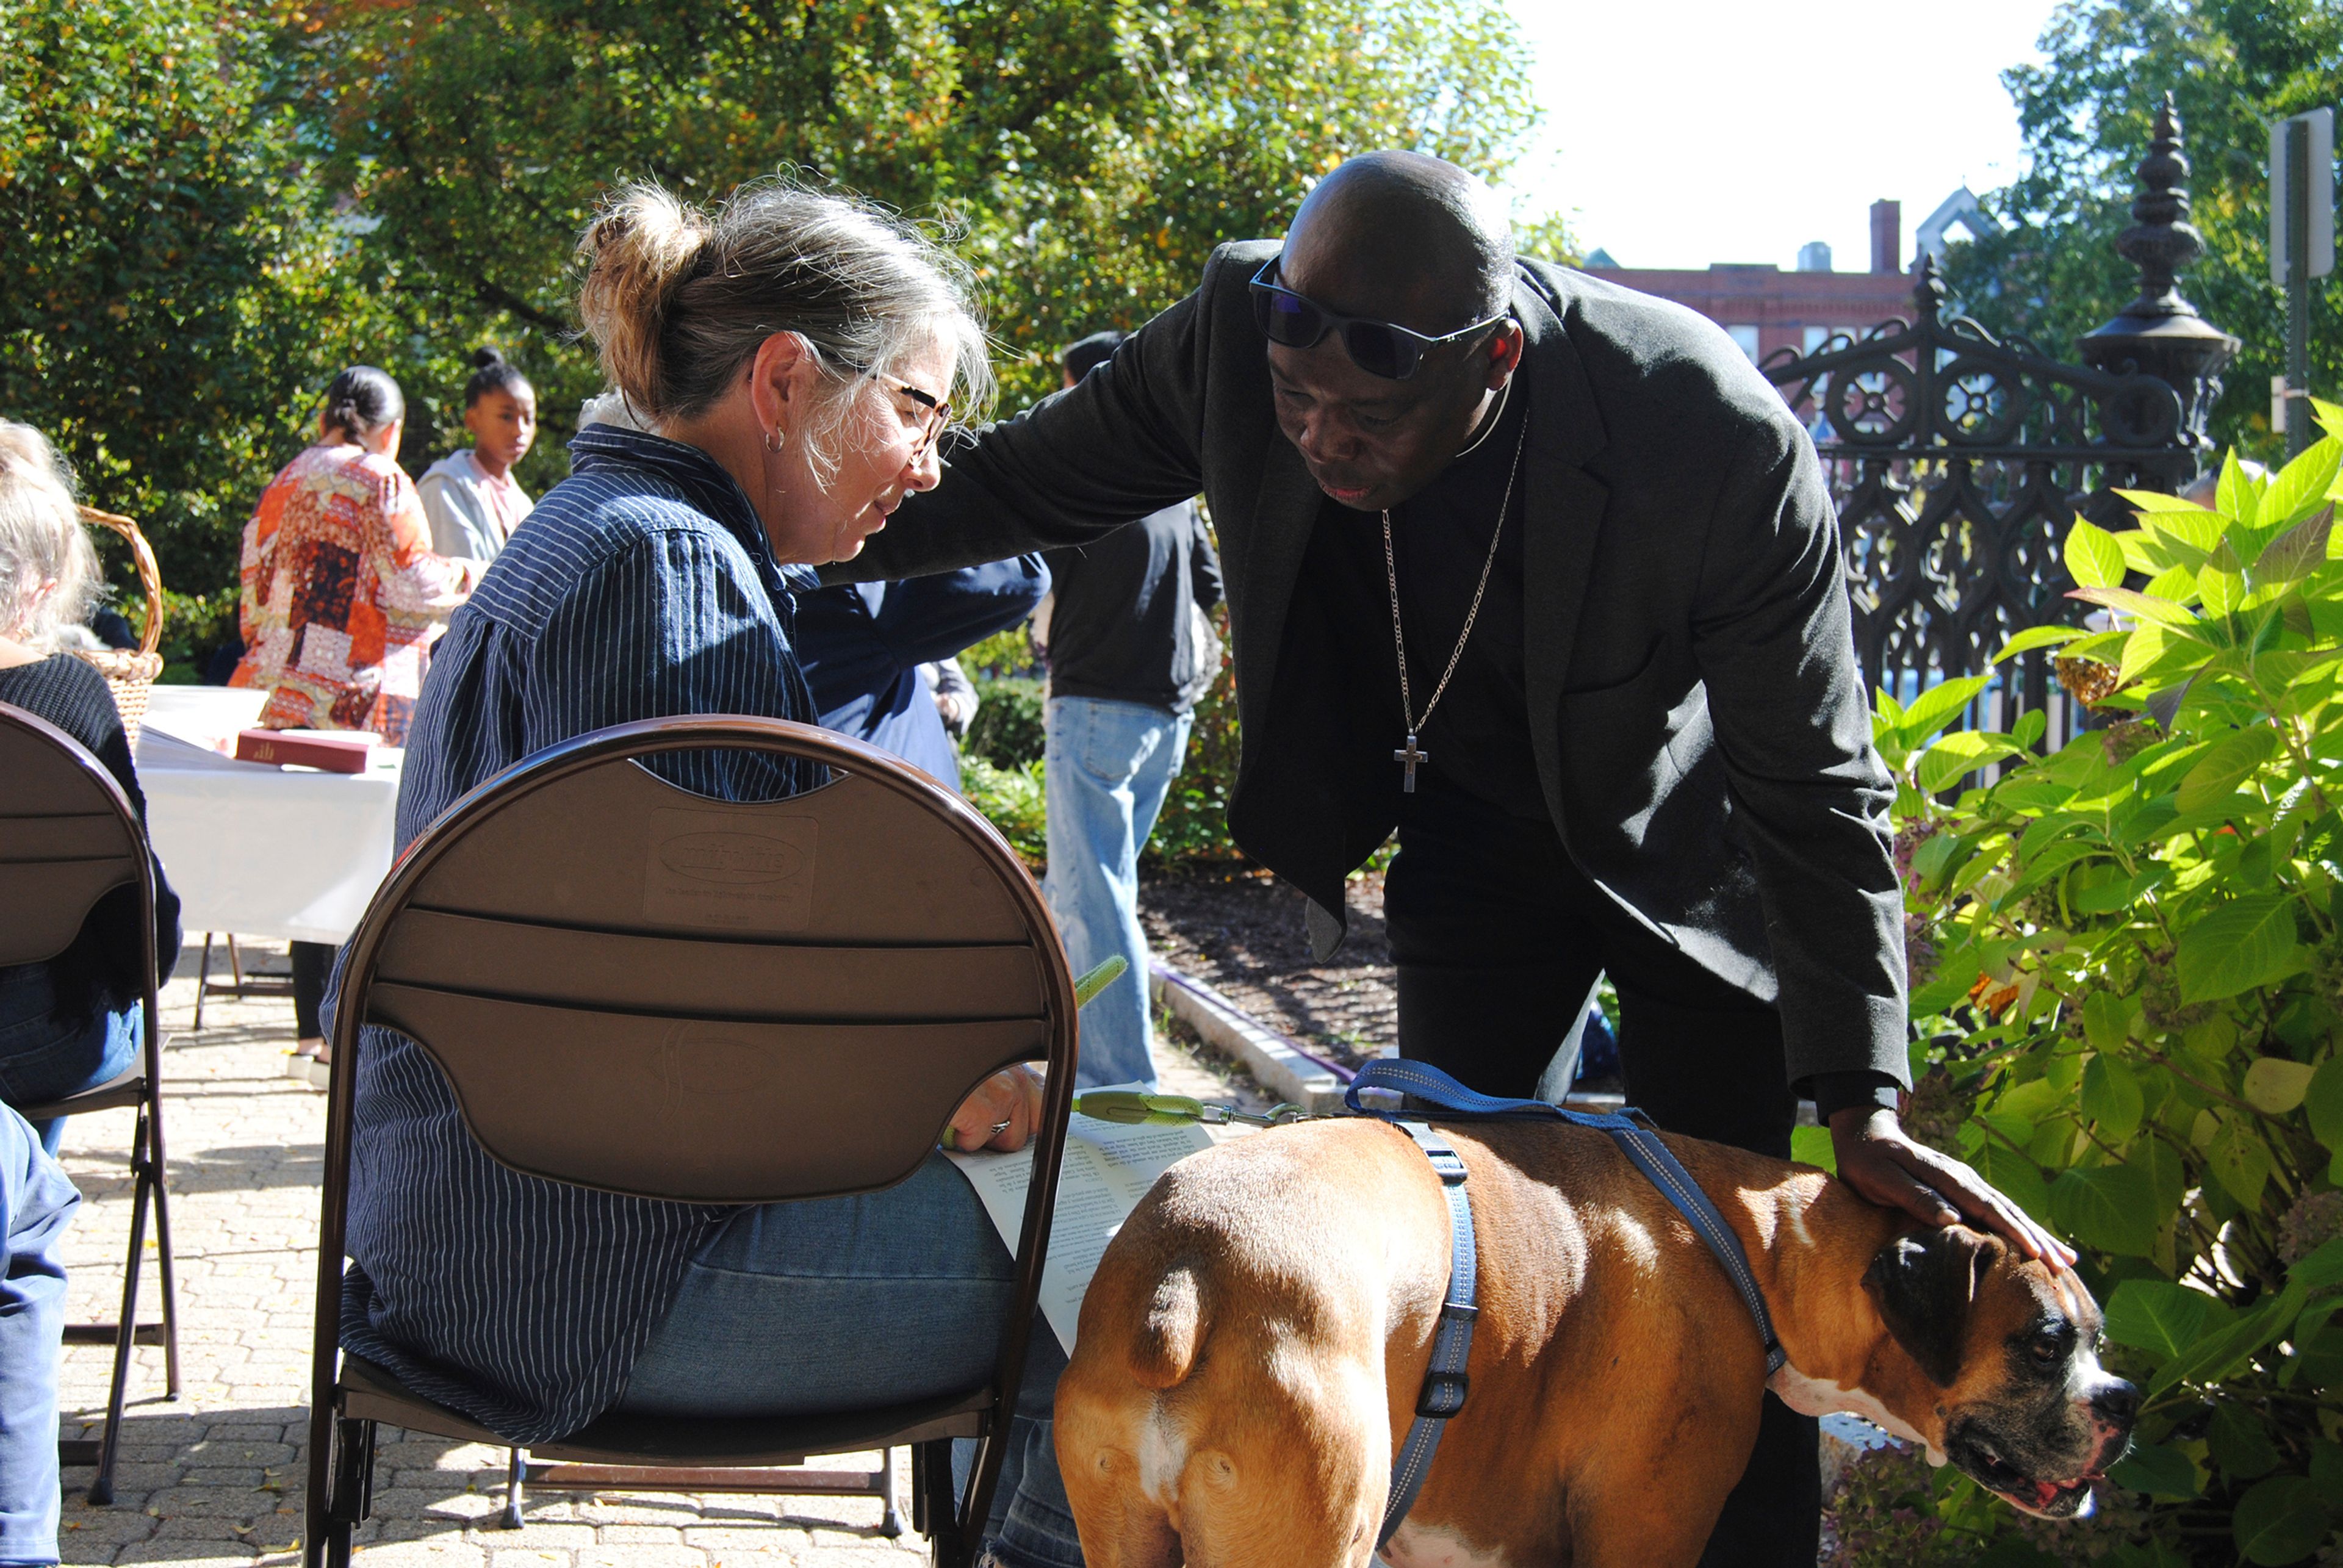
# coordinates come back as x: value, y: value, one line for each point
x: 1091, y: 983
x: 1131, y: 1108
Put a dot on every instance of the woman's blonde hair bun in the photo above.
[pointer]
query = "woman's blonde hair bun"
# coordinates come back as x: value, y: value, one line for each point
x: 677, y: 300
x: 642, y: 243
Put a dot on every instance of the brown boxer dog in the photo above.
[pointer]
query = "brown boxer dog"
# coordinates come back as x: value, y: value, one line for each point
x: 1252, y: 1346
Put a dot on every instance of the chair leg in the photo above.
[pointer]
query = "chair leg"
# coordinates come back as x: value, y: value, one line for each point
x: 353, y: 1498
x: 166, y: 1271
x: 316, y: 1514
x: 337, y: 1543
x: 125, y: 1331
x: 939, y: 1503
x: 340, y: 1491
x: 326, y: 1523
x: 890, y: 1523
x: 919, y: 1487
x: 516, y: 1476
x: 203, y: 982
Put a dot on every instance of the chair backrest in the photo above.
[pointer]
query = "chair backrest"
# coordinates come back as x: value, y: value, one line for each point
x: 67, y: 838
x: 638, y: 989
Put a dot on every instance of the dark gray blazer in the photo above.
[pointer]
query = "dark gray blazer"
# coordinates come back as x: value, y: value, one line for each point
x: 1698, y: 718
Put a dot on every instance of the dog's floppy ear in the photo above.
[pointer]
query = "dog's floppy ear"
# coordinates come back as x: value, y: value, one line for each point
x: 1924, y: 1287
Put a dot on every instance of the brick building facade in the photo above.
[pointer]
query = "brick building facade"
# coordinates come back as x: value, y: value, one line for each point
x: 1765, y: 308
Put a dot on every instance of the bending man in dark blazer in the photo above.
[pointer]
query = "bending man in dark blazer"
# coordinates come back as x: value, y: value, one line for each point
x: 1627, y: 733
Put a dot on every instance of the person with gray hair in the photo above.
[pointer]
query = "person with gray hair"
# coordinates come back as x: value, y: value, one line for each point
x: 70, y: 1022
x: 786, y: 363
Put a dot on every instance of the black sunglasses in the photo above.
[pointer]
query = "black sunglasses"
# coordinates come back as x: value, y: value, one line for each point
x: 1381, y: 349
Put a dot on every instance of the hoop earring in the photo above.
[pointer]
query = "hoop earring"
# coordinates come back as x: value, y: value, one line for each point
x: 775, y: 440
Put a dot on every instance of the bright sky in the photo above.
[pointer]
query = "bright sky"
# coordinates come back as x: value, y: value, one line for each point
x: 1679, y: 133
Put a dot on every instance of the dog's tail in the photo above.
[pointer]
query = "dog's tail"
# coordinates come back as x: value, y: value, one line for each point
x: 1164, y: 1350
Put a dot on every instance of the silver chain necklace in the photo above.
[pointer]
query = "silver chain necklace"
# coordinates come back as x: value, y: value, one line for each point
x: 1411, y: 754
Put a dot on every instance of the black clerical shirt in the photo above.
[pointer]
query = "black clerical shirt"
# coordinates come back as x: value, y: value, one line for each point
x: 1477, y: 737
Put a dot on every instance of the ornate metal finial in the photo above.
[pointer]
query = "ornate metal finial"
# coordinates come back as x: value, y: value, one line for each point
x: 1927, y: 291
x: 2160, y: 334
x: 2161, y: 240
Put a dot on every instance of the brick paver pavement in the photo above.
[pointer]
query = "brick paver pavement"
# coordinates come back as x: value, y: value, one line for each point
x: 216, y: 1477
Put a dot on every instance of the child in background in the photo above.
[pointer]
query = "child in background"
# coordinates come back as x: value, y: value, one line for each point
x: 471, y: 498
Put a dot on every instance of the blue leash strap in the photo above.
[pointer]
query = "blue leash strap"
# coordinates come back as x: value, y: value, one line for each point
x: 1637, y: 1139
x: 1445, y: 1383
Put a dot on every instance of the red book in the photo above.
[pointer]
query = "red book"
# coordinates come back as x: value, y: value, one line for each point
x: 347, y: 751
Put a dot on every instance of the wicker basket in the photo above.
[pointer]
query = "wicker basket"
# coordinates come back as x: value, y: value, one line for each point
x: 131, y: 675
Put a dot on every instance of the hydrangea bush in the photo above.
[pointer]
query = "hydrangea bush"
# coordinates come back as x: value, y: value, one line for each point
x: 2127, y: 977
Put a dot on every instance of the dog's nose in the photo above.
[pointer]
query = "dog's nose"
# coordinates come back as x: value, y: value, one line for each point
x: 2117, y: 1403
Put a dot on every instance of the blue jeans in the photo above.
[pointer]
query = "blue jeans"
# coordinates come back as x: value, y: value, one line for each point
x: 36, y: 1202
x: 799, y: 1308
x: 1108, y: 765
x: 44, y: 1055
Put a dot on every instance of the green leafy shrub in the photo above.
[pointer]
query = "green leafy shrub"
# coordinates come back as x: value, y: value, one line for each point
x: 2128, y: 962
x: 1007, y: 729
x: 1011, y: 799
x: 1003, y: 756
x: 1888, y: 1505
x: 180, y: 284
x: 1194, y: 823
x: 1004, y: 653
x: 195, y: 627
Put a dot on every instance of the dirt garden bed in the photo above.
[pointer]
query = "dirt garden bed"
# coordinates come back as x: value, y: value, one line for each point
x: 1242, y: 932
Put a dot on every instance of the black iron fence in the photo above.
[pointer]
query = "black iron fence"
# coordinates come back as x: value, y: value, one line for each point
x: 1957, y: 461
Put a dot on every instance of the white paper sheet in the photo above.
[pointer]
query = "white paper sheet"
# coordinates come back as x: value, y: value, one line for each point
x: 1108, y: 1168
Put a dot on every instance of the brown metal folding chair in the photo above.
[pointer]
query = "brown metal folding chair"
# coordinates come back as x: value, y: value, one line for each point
x: 67, y: 838
x: 636, y: 989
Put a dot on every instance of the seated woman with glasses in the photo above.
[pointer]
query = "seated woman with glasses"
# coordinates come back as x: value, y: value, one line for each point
x: 796, y: 355
x: 70, y: 1022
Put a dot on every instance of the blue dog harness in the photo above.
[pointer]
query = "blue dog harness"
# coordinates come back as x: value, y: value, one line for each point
x: 1446, y: 1384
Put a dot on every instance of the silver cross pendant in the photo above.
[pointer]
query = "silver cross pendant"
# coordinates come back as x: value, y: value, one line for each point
x: 1410, y: 756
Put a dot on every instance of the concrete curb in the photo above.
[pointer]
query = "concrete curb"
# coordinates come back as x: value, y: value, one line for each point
x: 1281, y: 1067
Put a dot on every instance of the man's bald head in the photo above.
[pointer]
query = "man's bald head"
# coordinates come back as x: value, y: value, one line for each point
x: 1405, y: 238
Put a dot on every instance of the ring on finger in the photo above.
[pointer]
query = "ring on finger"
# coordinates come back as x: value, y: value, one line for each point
x: 1000, y: 1126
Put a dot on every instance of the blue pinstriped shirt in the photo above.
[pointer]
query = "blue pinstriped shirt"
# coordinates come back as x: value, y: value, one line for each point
x: 641, y: 587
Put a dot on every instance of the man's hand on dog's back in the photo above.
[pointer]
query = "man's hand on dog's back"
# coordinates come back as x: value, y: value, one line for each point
x: 1879, y: 1160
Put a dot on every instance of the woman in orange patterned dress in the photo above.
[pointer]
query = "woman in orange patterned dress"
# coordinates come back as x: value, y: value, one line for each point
x: 341, y: 590
x: 342, y: 596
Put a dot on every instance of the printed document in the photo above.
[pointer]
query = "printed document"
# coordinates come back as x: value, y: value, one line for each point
x: 1108, y: 1168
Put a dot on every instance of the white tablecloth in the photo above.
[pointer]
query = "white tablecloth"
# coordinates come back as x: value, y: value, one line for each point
x: 255, y: 850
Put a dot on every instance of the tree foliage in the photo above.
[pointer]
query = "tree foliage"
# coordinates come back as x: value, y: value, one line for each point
x: 2129, y: 958
x: 1086, y: 156
x: 207, y: 206
x: 178, y: 289
x: 2087, y: 113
